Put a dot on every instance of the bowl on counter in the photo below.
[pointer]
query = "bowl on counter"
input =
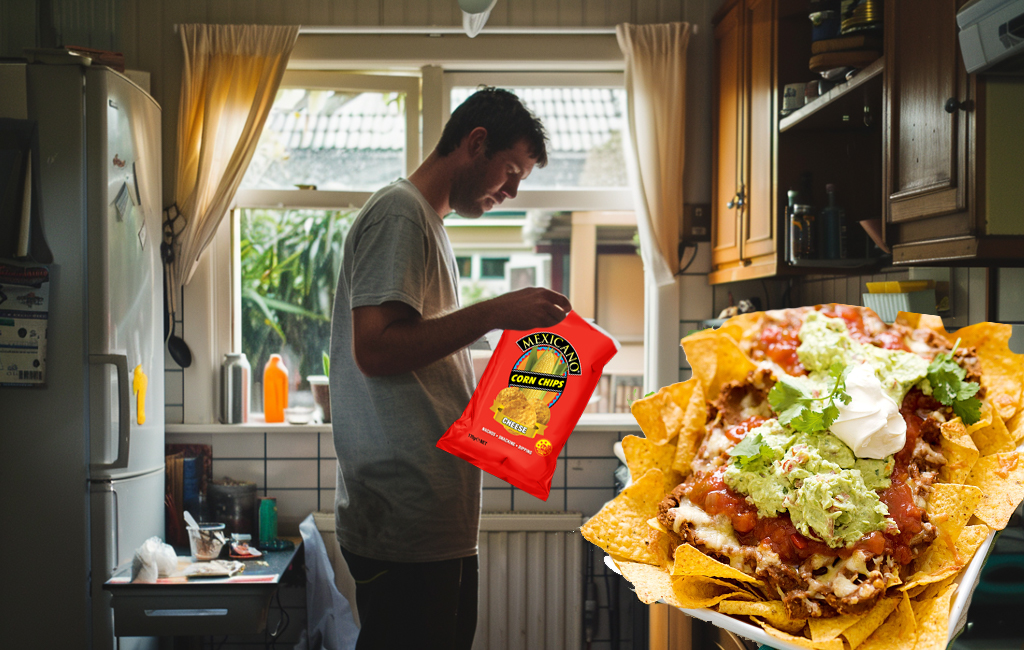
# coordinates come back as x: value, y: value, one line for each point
x: 298, y: 414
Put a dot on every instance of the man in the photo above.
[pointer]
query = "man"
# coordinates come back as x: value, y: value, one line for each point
x: 408, y: 513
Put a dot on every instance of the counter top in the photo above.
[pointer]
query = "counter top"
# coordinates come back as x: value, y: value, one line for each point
x: 199, y: 606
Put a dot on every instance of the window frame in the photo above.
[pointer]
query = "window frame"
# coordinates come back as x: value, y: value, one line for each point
x: 212, y: 301
x: 568, y: 200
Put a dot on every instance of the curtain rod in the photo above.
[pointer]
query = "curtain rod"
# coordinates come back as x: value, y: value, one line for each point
x: 443, y: 30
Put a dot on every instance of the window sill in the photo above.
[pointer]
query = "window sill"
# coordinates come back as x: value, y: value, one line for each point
x: 589, y: 423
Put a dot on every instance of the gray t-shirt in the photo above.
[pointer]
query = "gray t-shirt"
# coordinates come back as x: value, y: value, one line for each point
x: 399, y: 497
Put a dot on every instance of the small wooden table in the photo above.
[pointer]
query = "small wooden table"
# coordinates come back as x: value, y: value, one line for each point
x: 180, y: 606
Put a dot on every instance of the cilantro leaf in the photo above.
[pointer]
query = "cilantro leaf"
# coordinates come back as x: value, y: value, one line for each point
x: 795, y: 406
x: 751, y: 449
x: 946, y: 378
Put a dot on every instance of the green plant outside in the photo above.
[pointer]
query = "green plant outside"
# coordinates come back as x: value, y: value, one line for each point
x: 290, y: 261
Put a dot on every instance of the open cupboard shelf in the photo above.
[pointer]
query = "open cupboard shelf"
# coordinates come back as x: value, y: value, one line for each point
x: 842, y: 106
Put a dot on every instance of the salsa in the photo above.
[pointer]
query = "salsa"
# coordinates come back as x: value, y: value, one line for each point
x: 738, y: 432
x: 780, y: 346
x: 887, y: 339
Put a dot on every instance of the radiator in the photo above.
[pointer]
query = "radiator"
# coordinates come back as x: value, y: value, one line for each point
x: 531, y: 581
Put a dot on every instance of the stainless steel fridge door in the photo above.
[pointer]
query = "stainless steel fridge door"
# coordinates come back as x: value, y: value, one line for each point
x: 125, y: 277
x: 125, y: 513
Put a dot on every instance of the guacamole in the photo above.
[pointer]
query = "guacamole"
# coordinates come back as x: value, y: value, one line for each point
x: 814, y: 477
x: 824, y: 340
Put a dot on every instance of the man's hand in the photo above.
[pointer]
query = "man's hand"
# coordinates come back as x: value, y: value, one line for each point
x: 393, y: 338
x: 528, y: 308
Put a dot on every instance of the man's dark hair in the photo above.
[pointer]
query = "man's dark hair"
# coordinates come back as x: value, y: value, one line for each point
x: 506, y: 119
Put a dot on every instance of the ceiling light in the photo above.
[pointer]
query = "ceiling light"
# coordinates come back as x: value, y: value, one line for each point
x: 475, y: 14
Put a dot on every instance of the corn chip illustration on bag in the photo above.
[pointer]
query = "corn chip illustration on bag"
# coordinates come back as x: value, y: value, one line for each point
x: 529, y: 399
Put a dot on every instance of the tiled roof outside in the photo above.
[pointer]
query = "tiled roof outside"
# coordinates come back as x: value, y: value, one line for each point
x: 356, y: 141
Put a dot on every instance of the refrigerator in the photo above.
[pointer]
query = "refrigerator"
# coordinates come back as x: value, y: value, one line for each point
x: 82, y: 458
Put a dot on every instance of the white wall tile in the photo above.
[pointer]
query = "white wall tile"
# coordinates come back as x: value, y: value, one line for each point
x: 588, y: 501
x: 978, y: 292
x: 292, y: 507
x: 327, y: 449
x: 493, y: 481
x: 328, y: 473
x: 853, y: 291
x: 189, y: 438
x: 292, y: 444
x: 239, y: 470
x: 173, y: 393
x: 174, y: 415
x: 588, y: 472
x: 1011, y: 295
x: 291, y: 474
x: 591, y: 443
x: 244, y: 444
x: 497, y: 500
x: 526, y: 502
x: 696, y: 297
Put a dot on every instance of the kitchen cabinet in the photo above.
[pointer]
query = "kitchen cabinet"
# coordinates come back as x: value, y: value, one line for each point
x: 948, y: 194
x: 759, y: 47
x: 743, y: 211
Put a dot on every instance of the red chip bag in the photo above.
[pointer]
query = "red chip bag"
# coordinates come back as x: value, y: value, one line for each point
x: 530, y: 398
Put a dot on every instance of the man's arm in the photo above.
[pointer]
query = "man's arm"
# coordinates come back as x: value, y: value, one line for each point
x: 393, y: 338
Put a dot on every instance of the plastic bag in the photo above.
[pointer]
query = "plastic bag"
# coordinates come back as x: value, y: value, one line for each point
x: 152, y: 560
x: 329, y: 621
x: 531, y: 396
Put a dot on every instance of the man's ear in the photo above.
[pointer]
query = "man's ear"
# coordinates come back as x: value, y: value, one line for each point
x: 476, y: 142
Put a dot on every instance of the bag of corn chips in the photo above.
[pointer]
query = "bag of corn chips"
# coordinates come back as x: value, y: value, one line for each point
x: 529, y: 399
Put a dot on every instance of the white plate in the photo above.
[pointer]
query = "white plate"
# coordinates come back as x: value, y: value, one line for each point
x: 957, y: 614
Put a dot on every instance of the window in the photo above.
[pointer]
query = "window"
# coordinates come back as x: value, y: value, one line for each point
x: 533, y: 241
x: 289, y: 267
x: 493, y: 267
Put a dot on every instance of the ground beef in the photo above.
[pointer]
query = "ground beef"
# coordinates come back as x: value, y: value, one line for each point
x: 729, y: 403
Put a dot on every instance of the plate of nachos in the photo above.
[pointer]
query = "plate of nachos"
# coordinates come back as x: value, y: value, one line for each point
x: 825, y: 480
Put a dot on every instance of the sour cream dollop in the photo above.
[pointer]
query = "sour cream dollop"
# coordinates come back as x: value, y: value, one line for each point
x: 871, y: 424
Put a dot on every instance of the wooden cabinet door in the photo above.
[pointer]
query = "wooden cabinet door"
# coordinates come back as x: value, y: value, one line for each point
x: 926, y: 164
x: 758, y: 216
x: 728, y: 115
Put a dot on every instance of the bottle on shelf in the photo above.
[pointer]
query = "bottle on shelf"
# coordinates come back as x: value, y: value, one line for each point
x: 275, y: 389
x: 833, y: 228
x: 794, y: 229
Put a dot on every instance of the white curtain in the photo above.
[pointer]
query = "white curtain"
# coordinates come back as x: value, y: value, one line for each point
x: 656, y: 113
x: 229, y: 81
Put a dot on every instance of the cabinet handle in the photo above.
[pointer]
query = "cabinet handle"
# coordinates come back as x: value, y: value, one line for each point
x: 737, y: 201
x: 952, y: 105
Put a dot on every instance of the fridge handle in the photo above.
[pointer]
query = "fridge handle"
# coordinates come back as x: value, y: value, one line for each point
x: 124, y: 420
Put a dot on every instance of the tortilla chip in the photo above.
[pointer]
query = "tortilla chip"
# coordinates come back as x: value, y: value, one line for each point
x: 643, y: 455
x: 1015, y: 426
x: 918, y: 579
x: 932, y: 618
x: 614, y: 528
x: 969, y: 541
x: 743, y: 327
x: 949, y: 508
x: 691, y: 562
x: 659, y: 416
x: 898, y: 631
x: 921, y: 321
x: 774, y: 612
x: 960, y: 451
x: 825, y: 629
x: 994, y: 438
x: 650, y: 583
x: 834, y: 644
x: 716, y: 359
x: 1001, y: 479
x: 1002, y: 371
x: 857, y: 633
x: 935, y: 589
x: 692, y: 430
x: 985, y: 419
x: 696, y: 592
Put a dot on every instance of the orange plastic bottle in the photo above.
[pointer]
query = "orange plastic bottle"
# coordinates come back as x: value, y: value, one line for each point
x: 275, y: 389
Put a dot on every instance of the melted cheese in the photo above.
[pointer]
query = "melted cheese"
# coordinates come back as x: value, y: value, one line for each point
x: 714, y: 532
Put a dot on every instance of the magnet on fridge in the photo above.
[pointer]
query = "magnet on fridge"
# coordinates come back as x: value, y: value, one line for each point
x: 136, y: 198
x: 139, y: 384
x: 121, y: 202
